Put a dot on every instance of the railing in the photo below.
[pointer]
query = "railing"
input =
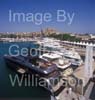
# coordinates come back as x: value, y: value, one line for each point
x: 79, y: 43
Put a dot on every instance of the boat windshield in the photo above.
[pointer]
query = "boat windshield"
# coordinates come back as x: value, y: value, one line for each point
x: 76, y: 59
x: 50, y: 59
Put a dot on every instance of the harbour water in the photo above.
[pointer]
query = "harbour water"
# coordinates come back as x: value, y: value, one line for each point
x: 6, y: 89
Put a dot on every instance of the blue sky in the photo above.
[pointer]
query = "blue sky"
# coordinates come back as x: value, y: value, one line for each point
x: 83, y: 22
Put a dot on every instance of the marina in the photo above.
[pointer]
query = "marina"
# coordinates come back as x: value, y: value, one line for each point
x: 69, y: 69
x: 47, y: 50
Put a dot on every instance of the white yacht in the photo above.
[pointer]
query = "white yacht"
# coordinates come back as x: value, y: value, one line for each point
x: 56, y: 48
x: 61, y: 62
x: 49, y: 42
x: 73, y: 56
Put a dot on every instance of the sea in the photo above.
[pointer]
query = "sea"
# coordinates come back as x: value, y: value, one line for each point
x: 6, y: 88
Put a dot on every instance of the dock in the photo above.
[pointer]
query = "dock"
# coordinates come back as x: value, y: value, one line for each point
x: 78, y: 93
x: 79, y: 73
x: 68, y: 96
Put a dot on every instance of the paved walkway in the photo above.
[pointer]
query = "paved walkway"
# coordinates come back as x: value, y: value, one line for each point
x: 70, y: 96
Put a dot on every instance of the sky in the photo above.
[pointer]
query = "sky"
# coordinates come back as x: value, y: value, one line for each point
x: 83, y: 20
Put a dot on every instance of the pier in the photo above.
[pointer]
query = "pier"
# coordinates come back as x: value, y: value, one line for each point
x: 83, y: 73
x: 78, y: 93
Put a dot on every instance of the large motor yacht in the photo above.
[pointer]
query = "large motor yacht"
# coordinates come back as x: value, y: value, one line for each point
x: 42, y: 68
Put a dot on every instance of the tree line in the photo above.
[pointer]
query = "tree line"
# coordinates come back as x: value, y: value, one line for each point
x: 66, y: 37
